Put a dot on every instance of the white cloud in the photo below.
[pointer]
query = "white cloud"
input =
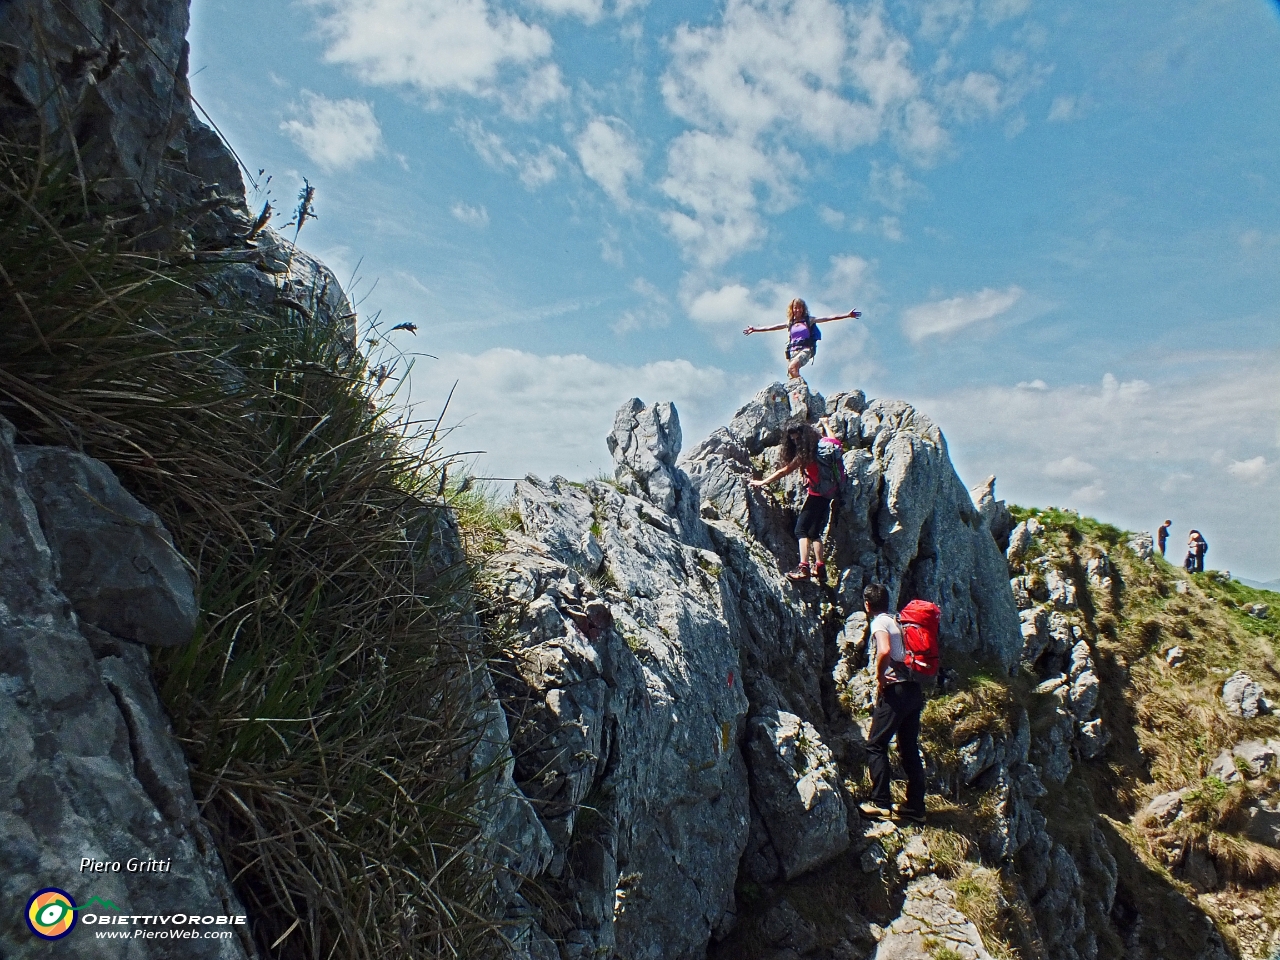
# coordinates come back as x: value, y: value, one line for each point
x: 890, y: 186
x: 543, y: 414
x: 609, y: 156
x: 336, y: 134
x: 974, y: 95
x: 471, y: 216
x: 997, y: 11
x: 535, y: 169
x: 733, y: 304
x: 1174, y: 448
x: 945, y: 20
x: 772, y: 73
x: 1063, y: 108
x: 849, y: 278
x: 587, y: 10
x: 1252, y: 471
x: 832, y: 218
x: 652, y: 313
x: 945, y: 317
x: 1069, y: 468
x: 717, y: 178
x: 436, y: 46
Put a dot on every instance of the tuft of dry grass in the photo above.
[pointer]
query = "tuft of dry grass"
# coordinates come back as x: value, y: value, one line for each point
x: 327, y: 705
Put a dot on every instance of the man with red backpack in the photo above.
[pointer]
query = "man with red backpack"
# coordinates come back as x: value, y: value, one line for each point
x: 904, y: 652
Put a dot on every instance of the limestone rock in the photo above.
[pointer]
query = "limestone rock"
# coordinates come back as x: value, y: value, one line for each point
x: 929, y: 921
x: 1175, y: 656
x: 994, y: 512
x: 1165, y: 808
x: 796, y: 786
x: 90, y: 767
x: 1224, y: 767
x: 1259, y: 756
x: 784, y: 927
x: 1143, y: 545
x: 1259, y: 610
x: 1243, y: 696
x: 904, y: 518
x: 115, y: 561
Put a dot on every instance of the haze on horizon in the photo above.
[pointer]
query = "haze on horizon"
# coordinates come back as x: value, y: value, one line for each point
x: 1061, y: 222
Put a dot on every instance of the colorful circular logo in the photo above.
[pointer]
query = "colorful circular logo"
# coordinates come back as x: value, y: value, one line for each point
x: 51, y: 913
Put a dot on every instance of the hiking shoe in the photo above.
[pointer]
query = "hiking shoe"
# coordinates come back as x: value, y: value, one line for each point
x: 820, y: 573
x: 902, y: 812
x: 873, y: 811
x: 799, y: 573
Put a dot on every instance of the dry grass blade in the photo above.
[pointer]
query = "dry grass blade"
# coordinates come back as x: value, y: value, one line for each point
x: 327, y: 703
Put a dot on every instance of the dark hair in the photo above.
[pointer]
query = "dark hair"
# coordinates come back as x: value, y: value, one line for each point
x: 876, y: 597
x: 799, y: 442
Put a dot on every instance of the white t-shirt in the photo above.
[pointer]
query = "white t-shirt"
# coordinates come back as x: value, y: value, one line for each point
x: 884, y: 623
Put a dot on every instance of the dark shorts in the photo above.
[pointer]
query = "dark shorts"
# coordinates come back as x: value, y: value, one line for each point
x: 813, y: 517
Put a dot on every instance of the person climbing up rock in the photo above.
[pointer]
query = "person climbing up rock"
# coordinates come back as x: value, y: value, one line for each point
x: 802, y: 334
x: 820, y: 456
x: 899, y: 700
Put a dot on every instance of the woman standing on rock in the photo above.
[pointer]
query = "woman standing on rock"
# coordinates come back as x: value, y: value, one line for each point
x: 802, y: 334
x: 803, y: 449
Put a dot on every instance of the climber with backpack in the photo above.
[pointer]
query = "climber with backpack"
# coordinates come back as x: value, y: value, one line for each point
x: 904, y: 653
x: 822, y: 459
x: 802, y: 334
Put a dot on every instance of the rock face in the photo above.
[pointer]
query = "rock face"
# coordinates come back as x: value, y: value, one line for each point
x: 671, y: 696
x: 1243, y: 696
x: 930, y: 923
x: 89, y: 766
x: 104, y: 88
x: 115, y: 78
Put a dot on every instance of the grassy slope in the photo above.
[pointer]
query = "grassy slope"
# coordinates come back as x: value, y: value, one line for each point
x: 1167, y: 726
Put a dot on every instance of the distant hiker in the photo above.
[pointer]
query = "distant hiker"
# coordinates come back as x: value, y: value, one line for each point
x: 1197, y: 547
x: 821, y: 459
x: 899, y: 697
x: 1162, y: 535
x: 802, y: 334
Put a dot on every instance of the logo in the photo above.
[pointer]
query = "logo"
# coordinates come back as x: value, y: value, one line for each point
x: 51, y: 913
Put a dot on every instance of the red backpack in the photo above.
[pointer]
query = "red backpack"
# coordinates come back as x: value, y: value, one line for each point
x: 919, y: 623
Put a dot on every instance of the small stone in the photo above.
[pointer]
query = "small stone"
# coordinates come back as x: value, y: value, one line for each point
x: 1175, y: 656
x: 1164, y: 809
x: 1181, y: 586
x: 874, y: 858
x: 1243, y: 696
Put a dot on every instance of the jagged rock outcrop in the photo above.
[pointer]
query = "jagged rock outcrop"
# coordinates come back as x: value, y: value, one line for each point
x: 670, y: 694
x: 930, y: 923
x: 89, y: 766
x: 103, y: 88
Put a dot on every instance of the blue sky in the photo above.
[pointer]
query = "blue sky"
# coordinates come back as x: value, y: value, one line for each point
x: 1061, y: 221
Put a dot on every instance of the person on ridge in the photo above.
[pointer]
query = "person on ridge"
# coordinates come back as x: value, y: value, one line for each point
x: 802, y: 334
x: 1197, y: 547
x: 801, y: 450
x: 1162, y: 535
x: 899, y: 700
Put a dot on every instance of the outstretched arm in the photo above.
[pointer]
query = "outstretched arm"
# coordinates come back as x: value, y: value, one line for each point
x: 751, y: 330
x: 776, y: 475
x: 851, y: 315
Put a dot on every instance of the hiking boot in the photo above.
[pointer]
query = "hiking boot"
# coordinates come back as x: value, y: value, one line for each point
x: 820, y: 573
x: 902, y: 812
x: 873, y: 811
x: 799, y: 573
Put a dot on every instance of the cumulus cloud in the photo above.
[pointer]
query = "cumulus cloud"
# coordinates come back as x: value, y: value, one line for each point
x: 1252, y: 471
x: 438, y: 46
x: 549, y: 414
x: 535, y: 168
x: 336, y: 134
x: 1186, y: 447
x: 609, y: 156
x: 1069, y: 468
x: 587, y: 10
x: 944, y: 317
x: 471, y: 216
x: 1063, y: 108
x: 719, y: 178
x: 770, y: 73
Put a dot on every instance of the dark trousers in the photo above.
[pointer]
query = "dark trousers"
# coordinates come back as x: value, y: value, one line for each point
x: 897, y: 714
